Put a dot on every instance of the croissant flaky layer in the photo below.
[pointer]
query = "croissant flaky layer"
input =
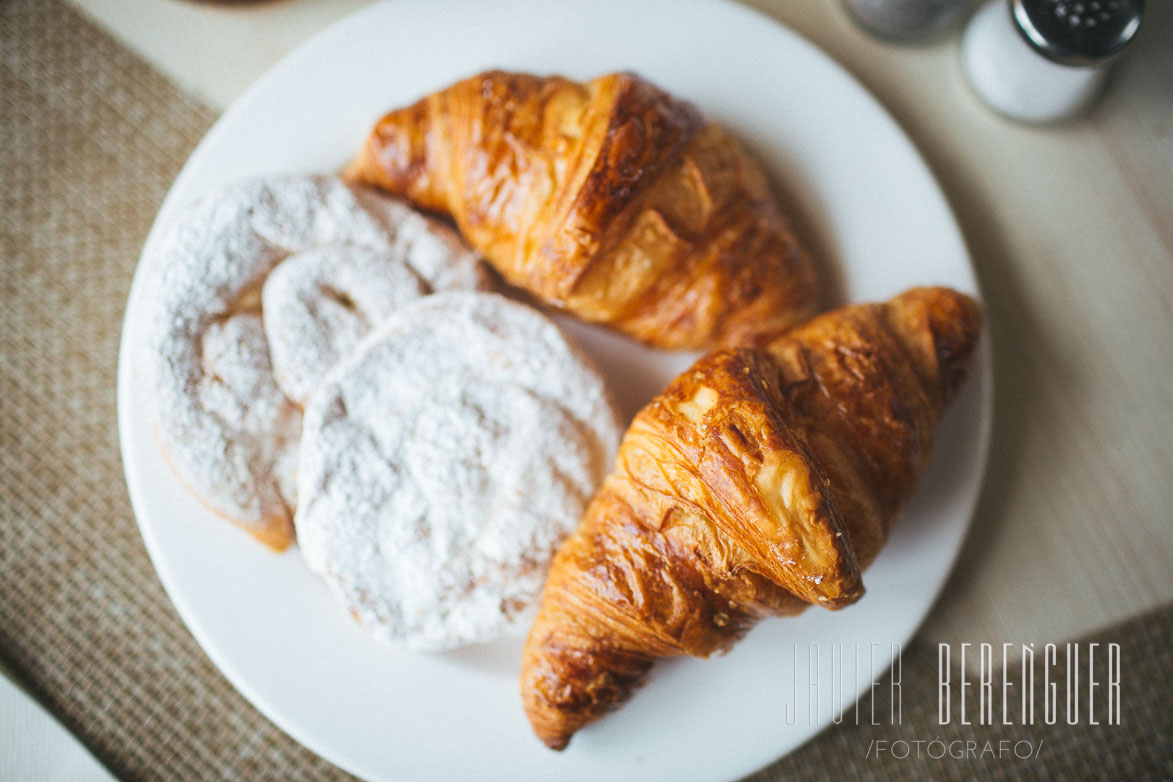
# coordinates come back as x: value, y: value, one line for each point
x: 610, y: 199
x: 760, y: 481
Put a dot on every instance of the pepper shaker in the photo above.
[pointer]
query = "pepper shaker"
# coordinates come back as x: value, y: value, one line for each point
x: 906, y: 21
x: 1045, y: 60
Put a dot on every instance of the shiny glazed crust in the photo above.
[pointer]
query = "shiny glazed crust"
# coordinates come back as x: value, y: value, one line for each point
x: 610, y: 199
x: 761, y: 480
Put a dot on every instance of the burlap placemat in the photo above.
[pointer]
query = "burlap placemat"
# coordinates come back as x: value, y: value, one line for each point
x: 92, y: 138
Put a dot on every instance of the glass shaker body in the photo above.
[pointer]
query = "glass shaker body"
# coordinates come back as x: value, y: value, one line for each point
x: 1061, y: 68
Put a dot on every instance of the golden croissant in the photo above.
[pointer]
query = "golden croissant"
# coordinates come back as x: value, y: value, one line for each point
x: 610, y: 199
x: 759, y: 481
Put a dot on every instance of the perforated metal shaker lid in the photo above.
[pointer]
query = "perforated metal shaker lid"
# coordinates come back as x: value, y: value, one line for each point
x: 1078, y: 32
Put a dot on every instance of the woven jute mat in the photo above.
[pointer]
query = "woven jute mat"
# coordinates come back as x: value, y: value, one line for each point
x: 91, y: 140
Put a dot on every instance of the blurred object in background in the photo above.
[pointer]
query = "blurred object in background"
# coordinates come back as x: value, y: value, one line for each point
x: 1045, y: 60
x: 34, y: 746
x: 907, y: 21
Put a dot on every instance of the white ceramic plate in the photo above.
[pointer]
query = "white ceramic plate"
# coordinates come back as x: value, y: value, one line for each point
x: 867, y: 204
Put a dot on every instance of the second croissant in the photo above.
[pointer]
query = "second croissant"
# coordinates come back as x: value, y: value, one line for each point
x: 760, y: 481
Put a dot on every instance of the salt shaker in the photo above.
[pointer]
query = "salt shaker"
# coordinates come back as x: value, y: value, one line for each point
x: 1045, y: 60
x: 906, y: 21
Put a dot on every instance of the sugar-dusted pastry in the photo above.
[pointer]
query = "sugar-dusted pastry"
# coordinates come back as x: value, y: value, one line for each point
x: 442, y: 464
x: 223, y: 424
x: 319, y: 304
x: 758, y: 482
x: 611, y: 199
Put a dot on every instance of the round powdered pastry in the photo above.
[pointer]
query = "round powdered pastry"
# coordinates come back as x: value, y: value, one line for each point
x: 319, y: 304
x: 223, y: 424
x: 443, y: 463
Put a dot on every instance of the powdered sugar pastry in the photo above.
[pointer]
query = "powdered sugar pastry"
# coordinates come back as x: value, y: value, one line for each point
x: 442, y: 464
x: 225, y: 427
x: 318, y: 305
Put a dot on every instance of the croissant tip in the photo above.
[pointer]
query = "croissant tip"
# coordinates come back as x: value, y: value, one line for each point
x: 849, y: 597
x: 956, y: 325
x: 353, y: 172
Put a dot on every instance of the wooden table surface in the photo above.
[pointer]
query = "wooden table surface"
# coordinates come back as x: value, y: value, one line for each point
x: 1071, y: 231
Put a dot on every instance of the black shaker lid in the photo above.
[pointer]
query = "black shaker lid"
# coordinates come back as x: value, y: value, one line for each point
x: 1078, y: 32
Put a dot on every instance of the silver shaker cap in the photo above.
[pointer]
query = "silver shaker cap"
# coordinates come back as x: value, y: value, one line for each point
x: 1078, y: 32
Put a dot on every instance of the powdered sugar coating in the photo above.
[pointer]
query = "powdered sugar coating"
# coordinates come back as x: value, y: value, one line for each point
x: 204, y: 273
x: 319, y: 304
x: 444, y: 462
x: 236, y: 388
